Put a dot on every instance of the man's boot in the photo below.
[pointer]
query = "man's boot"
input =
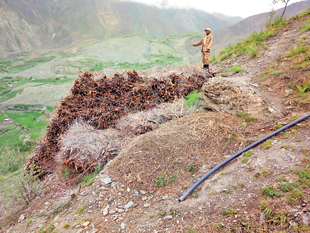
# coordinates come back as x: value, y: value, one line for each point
x: 206, y: 67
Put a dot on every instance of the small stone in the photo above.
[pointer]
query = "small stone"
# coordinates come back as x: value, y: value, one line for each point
x: 144, y: 198
x: 123, y: 225
x: 128, y: 190
x: 142, y: 192
x: 79, y: 231
x: 128, y: 205
x: 120, y: 210
x: 106, y: 180
x: 112, y: 212
x: 105, y: 210
x: 111, y: 199
x: 136, y: 193
x: 168, y: 217
x: 303, y: 204
x: 304, y: 201
x: 56, y: 218
x: 86, y: 224
x: 261, y: 220
x: 147, y: 205
x: 83, y: 193
x: 293, y: 210
x: 165, y: 197
x: 21, y: 218
x: 40, y: 225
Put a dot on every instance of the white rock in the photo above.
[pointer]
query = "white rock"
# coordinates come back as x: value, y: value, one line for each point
x: 105, y: 210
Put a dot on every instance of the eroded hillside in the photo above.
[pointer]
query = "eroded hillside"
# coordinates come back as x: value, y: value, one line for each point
x: 264, y: 190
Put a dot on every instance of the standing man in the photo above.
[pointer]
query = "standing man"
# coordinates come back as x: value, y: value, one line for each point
x: 206, y: 43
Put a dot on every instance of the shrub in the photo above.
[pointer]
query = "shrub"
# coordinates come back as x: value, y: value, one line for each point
x: 235, y: 69
x: 269, y: 191
x: 228, y: 212
x: 79, y: 210
x: 191, y: 100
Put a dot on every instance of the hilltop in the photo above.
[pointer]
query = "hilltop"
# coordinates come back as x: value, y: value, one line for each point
x: 261, y: 85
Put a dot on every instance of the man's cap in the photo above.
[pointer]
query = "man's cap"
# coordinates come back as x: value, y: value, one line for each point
x: 208, y: 29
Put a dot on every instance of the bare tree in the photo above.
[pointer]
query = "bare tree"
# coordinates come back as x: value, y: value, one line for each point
x: 284, y: 1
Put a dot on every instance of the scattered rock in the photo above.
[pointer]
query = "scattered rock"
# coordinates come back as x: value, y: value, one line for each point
x: 168, y: 217
x: 142, y: 192
x: 306, y: 218
x: 56, y: 218
x: 21, y: 218
x: 147, y: 205
x: 261, y: 220
x: 293, y: 210
x: 85, y: 224
x: 106, y: 180
x: 128, y: 205
x: 105, y: 210
x: 123, y: 225
x: 165, y: 197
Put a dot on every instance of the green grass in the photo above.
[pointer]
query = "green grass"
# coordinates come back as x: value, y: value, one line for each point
x: 269, y: 191
x: 305, y: 26
x: 236, y: 69
x: 54, y: 80
x: 10, y: 139
x: 228, y: 212
x: 29, y: 120
x: 1, y: 118
x: 247, y: 118
x: 9, y: 95
x: 6, y: 66
x: 154, y: 60
x: 191, y: 100
x: 266, y: 145
x: 79, y: 209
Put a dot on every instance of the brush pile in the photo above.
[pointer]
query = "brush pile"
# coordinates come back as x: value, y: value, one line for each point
x: 100, y: 103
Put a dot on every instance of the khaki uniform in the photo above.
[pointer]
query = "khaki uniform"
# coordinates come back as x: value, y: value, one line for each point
x: 206, y: 43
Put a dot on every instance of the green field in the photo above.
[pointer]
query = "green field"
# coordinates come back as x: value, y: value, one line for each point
x: 20, y: 64
x: 10, y: 139
x: 28, y: 120
x: 1, y: 118
x: 9, y: 95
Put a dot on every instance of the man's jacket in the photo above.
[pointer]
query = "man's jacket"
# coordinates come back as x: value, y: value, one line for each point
x: 206, y: 43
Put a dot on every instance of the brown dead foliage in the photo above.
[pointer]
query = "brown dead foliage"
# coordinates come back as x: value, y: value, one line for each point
x: 195, y: 139
x: 100, y: 103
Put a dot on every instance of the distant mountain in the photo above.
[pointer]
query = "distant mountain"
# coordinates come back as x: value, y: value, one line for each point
x: 229, y: 19
x: 40, y: 24
x: 237, y: 32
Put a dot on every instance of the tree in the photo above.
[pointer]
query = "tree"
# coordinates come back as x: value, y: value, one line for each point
x: 284, y: 1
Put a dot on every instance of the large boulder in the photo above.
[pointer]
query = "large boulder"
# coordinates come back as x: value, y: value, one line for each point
x: 221, y: 95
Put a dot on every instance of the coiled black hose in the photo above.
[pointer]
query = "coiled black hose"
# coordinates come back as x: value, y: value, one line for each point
x: 239, y: 153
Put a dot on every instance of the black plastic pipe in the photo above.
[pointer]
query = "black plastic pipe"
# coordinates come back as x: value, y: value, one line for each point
x: 239, y: 153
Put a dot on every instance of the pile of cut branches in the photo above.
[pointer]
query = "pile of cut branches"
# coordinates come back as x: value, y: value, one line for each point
x: 100, y: 103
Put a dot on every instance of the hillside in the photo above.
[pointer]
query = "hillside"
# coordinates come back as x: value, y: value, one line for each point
x: 128, y: 147
x: 237, y: 32
x: 29, y: 25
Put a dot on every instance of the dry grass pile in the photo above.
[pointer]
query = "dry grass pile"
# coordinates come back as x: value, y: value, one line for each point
x: 84, y: 148
x: 163, y: 157
x: 100, y: 103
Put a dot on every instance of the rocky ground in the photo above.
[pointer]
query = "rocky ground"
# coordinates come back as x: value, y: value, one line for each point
x: 265, y: 190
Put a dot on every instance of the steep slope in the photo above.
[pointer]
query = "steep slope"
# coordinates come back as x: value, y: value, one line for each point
x: 237, y: 32
x: 27, y: 25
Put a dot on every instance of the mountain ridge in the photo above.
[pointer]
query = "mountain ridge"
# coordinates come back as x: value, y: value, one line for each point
x: 35, y: 24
